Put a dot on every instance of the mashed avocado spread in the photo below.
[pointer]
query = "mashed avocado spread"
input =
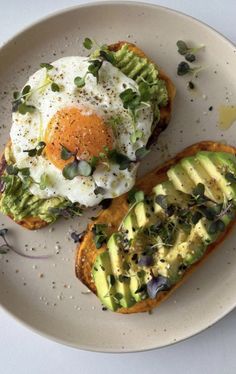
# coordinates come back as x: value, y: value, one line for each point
x: 17, y: 201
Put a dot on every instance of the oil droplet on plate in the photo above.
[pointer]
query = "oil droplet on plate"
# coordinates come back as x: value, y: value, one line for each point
x: 227, y: 116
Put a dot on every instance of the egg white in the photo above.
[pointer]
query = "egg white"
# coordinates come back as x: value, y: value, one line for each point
x: 100, y: 97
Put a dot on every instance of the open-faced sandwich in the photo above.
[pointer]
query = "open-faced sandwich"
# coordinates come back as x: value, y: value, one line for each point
x: 148, y: 241
x: 80, y: 126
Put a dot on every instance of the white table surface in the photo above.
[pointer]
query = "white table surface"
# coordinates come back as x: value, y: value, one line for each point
x: 22, y: 351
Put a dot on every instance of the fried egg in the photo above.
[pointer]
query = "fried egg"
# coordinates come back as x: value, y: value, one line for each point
x: 79, y: 119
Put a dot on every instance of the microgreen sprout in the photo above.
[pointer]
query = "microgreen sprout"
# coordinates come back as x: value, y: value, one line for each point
x: 99, y: 234
x: 185, y: 50
x: 184, y: 68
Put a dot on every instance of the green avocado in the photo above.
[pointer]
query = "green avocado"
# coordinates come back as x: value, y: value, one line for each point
x: 136, y: 281
x: 192, y: 249
x: 130, y: 225
x: 165, y: 242
x: 142, y: 214
x: 122, y: 282
x: 18, y: 202
x: 140, y: 69
x: 168, y: 263
x: 216, y: 169
x: 105, y: 288
x: 198, y: 174
x: 180, y: 179
x: 173, y: 196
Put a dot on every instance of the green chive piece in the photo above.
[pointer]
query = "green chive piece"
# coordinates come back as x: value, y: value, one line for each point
x: 55, y: 87
x: 46, y: 65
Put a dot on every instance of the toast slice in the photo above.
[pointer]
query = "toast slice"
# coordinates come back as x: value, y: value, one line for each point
x: 87, y: 252
x: 165, y: 111
x: 33, y: 223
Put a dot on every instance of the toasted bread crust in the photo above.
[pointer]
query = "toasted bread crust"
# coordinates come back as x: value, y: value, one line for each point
x: 87, y: 252
x: 165, y: 111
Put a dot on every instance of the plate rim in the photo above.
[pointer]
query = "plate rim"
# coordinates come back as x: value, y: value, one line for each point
x: 11, y: 40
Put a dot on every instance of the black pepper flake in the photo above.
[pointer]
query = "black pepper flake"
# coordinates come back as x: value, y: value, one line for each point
x: 210, y: 108
x: 134, y: 257
x: 191, y: 85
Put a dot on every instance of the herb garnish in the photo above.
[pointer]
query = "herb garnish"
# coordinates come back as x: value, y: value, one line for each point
x: 19, y: 102
x: 24, y: 108
x: 69, y: 211
x: 131, y: 99
x: 162, y: 201
x: 12, y: 170
x: 20, y: 98
x: 79, y: 81
x: 76, y: 167
x: 111, y: 280
x: 118, y: 158
x: 156, y: 285
x: 55, y: 87
x: 93, y: 68
x: 99, y: 234
x: 37, y: 151
x: 87, y: 43
x: 184, y: 68
x: 107, y: 55
x: 46, y: 65
x: 77, y: 237
x: 65, y: 153
x: 95, y: 64
x: 135, y: 100
x: 216, y: 226
x: 230, y: 177
x: 186, y: 51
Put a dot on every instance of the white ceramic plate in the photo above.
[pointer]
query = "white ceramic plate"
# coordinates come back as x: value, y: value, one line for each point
x: 45, y: 294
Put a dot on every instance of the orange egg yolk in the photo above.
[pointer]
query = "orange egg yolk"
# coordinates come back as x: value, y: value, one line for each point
x: 85, y: 135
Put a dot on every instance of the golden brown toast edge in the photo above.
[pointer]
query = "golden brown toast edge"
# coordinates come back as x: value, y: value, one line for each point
x: 165, y: 111
x: 87, y: 252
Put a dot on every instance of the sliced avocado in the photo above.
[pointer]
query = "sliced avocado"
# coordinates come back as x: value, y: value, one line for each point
x: 168, y: 265
x: 199, y: 175
x: 101, y: 270
x: 18, y: 202
x: 226, y: 163
x: 228, y: 159
x: 139, y: 68
x: 180, y: 179
x: 136, y: 281
x: 192, y: 249
x: 130, y: 225
x: 141, y: 212
x: 173, y: 196
x: 122, y: 287
x: 217, y: 172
